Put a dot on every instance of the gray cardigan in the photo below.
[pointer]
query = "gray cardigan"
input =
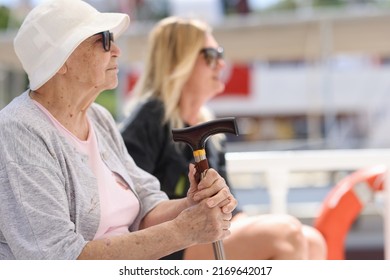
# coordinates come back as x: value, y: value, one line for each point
x: 49, y: 201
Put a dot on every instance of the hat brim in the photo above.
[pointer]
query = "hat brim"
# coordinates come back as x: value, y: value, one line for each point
x: 116, y: 23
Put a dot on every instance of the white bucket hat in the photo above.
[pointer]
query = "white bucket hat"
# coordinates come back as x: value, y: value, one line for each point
x: 52, y: 31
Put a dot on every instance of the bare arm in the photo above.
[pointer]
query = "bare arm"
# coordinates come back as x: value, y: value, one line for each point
x: 195, y: 225
x: 202, y: 217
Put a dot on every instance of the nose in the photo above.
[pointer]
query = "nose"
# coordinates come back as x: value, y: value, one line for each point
x: 220, y: 63
x: 115, y: 50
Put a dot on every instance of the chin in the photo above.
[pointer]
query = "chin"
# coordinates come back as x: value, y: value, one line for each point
x: 221, y: 88
x: 112, y: 85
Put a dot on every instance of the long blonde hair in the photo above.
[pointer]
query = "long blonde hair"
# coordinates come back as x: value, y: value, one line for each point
x: 174, y: 45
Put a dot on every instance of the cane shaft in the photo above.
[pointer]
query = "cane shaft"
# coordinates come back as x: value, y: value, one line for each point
x: 201, y: 168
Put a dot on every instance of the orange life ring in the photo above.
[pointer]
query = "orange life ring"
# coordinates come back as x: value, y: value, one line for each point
x: 343, y: 204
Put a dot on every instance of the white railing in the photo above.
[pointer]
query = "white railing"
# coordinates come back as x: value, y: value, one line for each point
x: 276, y: 166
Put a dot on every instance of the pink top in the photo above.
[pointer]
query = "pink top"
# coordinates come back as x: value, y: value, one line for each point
x: 118, y: 204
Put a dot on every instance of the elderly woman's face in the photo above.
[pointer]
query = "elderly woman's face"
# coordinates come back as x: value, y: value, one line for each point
x: 91, y: 66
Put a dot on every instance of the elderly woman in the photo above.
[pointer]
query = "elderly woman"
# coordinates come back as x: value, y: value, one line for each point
x: 68, y: 187
x: 182, y: 72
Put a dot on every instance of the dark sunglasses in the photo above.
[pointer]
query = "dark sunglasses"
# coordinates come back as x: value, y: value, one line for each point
x: 107, y: 38
x: 212, y: 55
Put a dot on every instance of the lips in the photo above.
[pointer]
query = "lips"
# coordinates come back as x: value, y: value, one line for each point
x: 114, y: 67
x: 217, y: 77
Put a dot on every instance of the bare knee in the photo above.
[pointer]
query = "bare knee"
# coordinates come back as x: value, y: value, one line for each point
x: 267, y: 237
x: 282, y: 236
x: 299, y: 241
x: 292, y: 243
x: 317, y: 247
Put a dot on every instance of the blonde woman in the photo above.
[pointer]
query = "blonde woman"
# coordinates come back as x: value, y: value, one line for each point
x: 182, y: 72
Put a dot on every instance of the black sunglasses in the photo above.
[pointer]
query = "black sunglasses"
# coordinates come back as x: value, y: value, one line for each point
x: 212, y: 55
x: 107, y: 38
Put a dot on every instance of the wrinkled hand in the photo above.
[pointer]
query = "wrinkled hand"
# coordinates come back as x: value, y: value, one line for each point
x: 213, y: 189
x: 202, y: 224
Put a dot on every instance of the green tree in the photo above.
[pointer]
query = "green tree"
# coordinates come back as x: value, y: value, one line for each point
x: 285, y: 5
x: 321, y: 3
x: 4, y: 17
